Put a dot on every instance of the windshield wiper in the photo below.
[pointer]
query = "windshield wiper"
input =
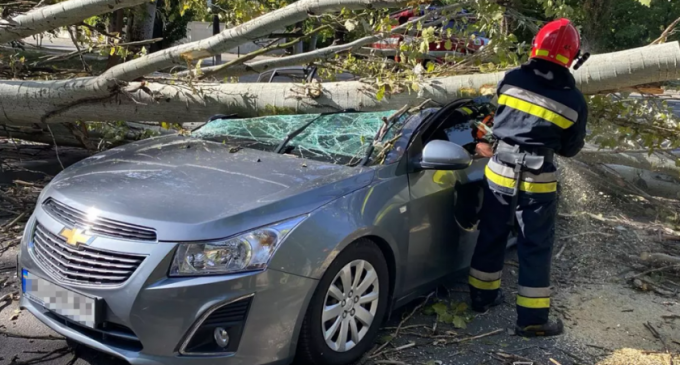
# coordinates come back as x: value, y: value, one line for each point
x: 297, y: 132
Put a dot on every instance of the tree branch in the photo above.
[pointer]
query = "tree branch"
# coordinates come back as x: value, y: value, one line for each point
x: 662, y: 38
x: 319, y: 54
x: 215, y: 71
x: 233, y: 37
x: 61, y: 14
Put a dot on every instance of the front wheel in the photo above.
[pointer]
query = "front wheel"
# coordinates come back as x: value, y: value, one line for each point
x: 347, y: 308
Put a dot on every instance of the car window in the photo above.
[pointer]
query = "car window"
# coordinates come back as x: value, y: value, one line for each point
x: 342, y: 138
x: 288, y: 78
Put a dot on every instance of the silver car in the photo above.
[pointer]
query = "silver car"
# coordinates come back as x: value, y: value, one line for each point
x: 254, y: 241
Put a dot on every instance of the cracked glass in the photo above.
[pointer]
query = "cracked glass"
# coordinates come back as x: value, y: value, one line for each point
x: 342, y: 138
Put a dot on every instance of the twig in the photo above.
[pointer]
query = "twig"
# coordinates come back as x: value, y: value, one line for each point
x: 506, y: 356
x: 16, y: 335
x: 584, y: 234
x: 8, y: 297
x: 653, y: 270
x: 60, y: 351
x: 102, y: 32
x: 56, y: 147
x: 406, y: 327
x: 561, y: 250
x: 600, y: 348
x: 396, y: 332
x: 10, y: 224
x: 666, y: 32
x: 656, y: 334
x: 400, y: 348
x: 75, y: 43
x: 479, y: 336
x: 578, y: 359
x: 427, y: 299
x: 554, y: 361
x: 260, y: 51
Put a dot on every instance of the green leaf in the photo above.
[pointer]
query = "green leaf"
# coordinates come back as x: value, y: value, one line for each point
x: 381, y: 93
x: 461, y: 308
x: 385, y: 339
x: 646, y: 3
x: 448, y: 45
x: 165, y: 125
x: 430, y: 67
x: 459, y: 322
x: 440, y: 308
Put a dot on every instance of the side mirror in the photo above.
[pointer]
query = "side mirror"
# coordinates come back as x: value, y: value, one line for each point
x: 444, y: 155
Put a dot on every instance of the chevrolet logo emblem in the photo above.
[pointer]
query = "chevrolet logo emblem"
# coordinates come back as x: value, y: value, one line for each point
x: 75, y: 236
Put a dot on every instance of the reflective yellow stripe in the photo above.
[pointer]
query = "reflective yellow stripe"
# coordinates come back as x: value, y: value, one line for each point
x: 484, y: 285
x: 562, y: 59
x: 485, y: 276
x: 466, y: 110
x: 524, y: 185
x: 542, y: 52
x: 534, y: 303
x: 535, y: 110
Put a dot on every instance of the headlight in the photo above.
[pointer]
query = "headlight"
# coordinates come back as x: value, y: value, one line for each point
x: 245, y: 252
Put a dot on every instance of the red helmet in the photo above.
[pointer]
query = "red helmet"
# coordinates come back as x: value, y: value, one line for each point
x: 558, y: 42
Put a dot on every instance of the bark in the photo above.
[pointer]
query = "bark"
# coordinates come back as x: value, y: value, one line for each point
x: 94, y: 99
x: 54, y: 16
x: 144, y: 16
x: 653, y: 183
x: 116, y: 27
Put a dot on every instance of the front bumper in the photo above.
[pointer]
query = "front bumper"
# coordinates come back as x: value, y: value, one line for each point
x: 158, y: 313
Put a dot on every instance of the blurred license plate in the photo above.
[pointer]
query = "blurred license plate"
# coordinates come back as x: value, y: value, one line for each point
x: 73, y: 306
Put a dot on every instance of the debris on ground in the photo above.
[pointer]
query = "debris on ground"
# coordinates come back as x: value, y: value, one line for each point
x: 628, y: 356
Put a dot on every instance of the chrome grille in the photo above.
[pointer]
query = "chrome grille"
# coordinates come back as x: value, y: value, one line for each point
x: 82, y: 264
x: 100, y: 226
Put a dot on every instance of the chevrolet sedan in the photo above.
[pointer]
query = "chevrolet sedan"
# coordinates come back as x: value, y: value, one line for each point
x: 254, y: 241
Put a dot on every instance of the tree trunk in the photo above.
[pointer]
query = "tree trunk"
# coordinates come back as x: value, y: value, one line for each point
x: 639, y: 159
x: 94, y: 99
x: 58, y: 15
x: 144, y: 16
x: 116, y: 27
x: 653, y: 183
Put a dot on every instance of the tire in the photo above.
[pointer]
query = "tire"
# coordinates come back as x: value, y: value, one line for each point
x: 313, y: 348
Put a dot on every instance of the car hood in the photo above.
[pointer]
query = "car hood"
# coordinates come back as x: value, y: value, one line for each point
x: 191, y: 189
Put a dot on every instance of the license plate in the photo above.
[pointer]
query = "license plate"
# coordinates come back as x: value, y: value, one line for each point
x: 73, y: 306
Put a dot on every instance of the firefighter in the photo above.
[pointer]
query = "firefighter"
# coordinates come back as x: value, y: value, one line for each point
x: 540, y: 113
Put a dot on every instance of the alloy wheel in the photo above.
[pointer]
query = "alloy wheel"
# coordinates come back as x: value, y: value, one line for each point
x: 350, y: 305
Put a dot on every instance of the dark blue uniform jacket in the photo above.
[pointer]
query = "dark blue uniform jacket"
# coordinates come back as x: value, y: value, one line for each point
x: 540, y: 106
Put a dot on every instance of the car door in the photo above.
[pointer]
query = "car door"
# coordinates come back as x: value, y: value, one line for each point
x: 438, y: 244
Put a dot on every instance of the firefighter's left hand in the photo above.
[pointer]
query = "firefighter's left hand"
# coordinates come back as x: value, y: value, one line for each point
x: 484, y: 149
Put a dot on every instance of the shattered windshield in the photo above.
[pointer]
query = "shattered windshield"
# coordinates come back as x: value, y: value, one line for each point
x: 342, y: 138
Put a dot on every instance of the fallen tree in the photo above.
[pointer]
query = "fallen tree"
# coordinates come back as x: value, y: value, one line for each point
x: 101, y: 99
x: 125, y: 93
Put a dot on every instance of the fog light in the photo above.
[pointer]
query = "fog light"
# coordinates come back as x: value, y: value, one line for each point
x: 221, y: 337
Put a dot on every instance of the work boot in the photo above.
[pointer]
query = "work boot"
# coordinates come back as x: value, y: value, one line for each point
x: 483, y: 308
x: 551, y: 328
